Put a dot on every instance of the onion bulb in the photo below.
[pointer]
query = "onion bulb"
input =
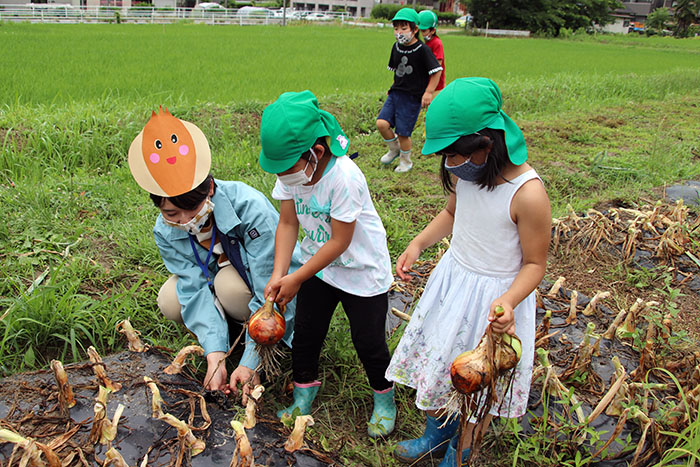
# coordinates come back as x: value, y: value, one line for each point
x: 496, y: 353
x: 267, y: 325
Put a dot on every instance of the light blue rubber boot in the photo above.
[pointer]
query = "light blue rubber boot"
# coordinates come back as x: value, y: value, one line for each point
x: 383, y: 415
x: 450, y: 459
x: 434, y: 440
x: 304, y: 395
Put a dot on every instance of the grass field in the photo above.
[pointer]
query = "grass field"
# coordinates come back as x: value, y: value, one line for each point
x: 605, y: 119
x: 195, y: 64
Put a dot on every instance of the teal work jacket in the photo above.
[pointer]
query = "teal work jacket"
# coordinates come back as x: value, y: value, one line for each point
x: 243, y: 214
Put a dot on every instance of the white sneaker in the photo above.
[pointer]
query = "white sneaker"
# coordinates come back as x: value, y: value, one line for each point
x: 404, y: 166
x: 389, y: 157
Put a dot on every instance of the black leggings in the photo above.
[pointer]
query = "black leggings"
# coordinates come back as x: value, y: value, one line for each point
x: 316, y: 302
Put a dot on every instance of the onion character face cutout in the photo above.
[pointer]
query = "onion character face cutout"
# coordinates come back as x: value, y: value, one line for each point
x: 170, y: 156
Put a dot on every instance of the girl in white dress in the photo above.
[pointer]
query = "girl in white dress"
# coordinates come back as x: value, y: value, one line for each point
x: 500, y: 219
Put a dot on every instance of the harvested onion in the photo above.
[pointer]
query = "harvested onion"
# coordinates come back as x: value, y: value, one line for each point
x: 496, y: 353
x: 267, y: 325
x: 480, y: 370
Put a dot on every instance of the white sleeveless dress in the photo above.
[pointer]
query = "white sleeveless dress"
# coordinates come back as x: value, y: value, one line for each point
x: 452, y: 314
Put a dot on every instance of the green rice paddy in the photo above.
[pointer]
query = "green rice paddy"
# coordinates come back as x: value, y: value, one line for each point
x: 149, y: 65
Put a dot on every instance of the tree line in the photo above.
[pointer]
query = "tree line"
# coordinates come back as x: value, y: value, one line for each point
x: 549, y: 17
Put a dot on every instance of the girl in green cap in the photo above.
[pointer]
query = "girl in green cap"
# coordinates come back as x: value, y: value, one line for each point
x: 499, y: 216
x: 344, y: 252
x: 427, y: 22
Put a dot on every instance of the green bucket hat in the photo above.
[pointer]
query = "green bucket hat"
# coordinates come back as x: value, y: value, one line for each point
x: 464, y: 107
x: 290, y: 126
x: 406, y: 14
x: 427, y: 19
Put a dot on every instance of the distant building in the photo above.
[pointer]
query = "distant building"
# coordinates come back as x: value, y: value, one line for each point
x: 361, y: 8
x: 632, y: 16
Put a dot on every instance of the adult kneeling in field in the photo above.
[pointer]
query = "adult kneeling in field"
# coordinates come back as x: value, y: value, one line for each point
x: 216, y: 237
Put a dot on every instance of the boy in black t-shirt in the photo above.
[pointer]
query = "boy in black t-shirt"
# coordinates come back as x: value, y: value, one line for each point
x: 416, y: 75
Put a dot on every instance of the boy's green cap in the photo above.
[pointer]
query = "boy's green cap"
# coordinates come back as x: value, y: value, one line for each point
x: 406, y: 14
x: 427, y: 19
x: 464, y: 107
x: 291, y: 125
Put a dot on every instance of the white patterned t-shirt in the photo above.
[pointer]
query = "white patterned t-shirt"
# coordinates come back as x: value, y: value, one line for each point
x: 364, y: 269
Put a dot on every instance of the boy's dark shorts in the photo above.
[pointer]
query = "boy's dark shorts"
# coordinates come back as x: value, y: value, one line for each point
x: 401, y: 111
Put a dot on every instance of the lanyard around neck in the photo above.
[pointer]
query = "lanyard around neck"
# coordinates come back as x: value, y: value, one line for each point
x: 203, y: 267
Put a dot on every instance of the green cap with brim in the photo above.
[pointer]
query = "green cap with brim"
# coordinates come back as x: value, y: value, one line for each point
x: 291, y: 125
x: 427, y: 19
x: 406, y: 14
x: 464, y: 107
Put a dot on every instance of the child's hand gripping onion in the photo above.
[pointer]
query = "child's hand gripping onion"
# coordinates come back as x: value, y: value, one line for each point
x: 496, y: 353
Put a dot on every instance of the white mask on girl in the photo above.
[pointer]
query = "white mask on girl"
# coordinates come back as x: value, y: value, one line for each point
x: 194, y: 225
x: 300, y: 178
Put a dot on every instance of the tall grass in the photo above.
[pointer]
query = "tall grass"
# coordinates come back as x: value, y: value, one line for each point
x: 687, y: 442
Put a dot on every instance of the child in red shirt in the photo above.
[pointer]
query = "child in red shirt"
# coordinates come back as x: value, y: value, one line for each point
x: 427, y: 22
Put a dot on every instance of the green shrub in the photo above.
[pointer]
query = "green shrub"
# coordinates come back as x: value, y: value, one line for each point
x: 384, y: 11
x: 387, y: 11
x: 565, y: 33
x: 445, y: 17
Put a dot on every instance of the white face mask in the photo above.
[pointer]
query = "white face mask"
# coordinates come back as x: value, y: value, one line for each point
x: 300, y: 178
x: 403, y: 39
x: 194, y: 225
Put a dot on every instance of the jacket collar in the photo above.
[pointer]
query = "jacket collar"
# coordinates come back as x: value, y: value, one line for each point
x: 225, y: 215
x: 226, y: 218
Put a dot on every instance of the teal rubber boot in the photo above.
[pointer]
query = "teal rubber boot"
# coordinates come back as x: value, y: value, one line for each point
x: 304, y: 395
x: 383, y: 415
x: 433, y: 442
x: 450, y: 459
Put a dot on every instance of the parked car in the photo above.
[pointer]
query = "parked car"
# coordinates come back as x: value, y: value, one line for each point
x: 209, y: 6
x: 318, y: 17
x: 463, y: 21
x: 291, y: 13
x: 254, y: 12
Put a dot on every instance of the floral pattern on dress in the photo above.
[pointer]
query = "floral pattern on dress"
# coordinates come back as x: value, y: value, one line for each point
x: 430, y: 342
